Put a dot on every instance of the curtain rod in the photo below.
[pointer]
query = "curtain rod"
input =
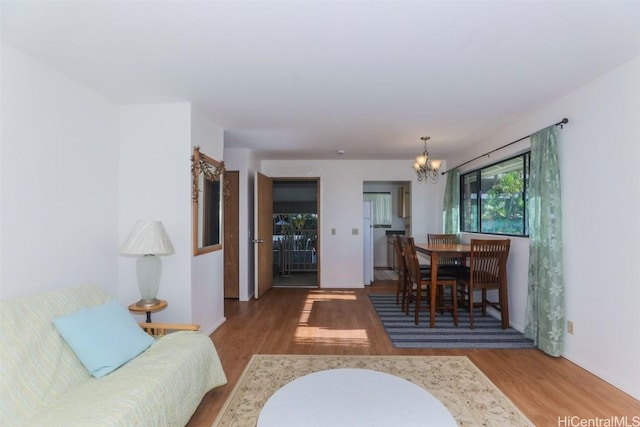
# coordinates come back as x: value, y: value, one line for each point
x: 560, y: 123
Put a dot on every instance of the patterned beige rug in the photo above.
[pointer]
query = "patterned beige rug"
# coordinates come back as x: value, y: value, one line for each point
x: 468, y: 394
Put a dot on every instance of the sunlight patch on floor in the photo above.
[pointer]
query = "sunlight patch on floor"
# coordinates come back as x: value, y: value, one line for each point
x: 332, y: 295
x: 313, y: 334
x: 307, y: 334
x: 323, y: 296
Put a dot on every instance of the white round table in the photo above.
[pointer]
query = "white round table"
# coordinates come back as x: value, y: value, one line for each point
x: 353, y: 397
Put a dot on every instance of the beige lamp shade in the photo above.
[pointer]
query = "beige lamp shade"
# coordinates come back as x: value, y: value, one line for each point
x: 148, y: 237
x: 435, y: 164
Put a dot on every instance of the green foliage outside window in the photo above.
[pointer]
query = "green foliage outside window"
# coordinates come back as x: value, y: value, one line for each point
x: 500, y: 198
x: 299, y: 229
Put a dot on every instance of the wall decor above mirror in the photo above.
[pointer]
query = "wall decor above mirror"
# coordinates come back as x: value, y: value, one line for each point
x: 206, y: 198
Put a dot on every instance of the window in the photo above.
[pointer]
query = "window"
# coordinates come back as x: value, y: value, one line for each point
x: 493, y: 200
x: 381, y: 208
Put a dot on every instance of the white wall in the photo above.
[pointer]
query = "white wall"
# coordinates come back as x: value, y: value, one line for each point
x: 341, y: 184
x: 207, y: 280
x: 155, y: 183
x: 599, y: 152
x: 58, y: 205
x: 242, y: 159
x: 78, y: 171
x: 246, y: 162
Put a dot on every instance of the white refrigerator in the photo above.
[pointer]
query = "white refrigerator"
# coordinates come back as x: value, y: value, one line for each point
x: 367, y: 239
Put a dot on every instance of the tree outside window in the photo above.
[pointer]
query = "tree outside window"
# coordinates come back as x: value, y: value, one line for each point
x: 500, y: 198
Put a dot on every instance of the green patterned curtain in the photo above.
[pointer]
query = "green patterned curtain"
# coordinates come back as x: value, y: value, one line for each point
x: 451, y: 205
x: 544, y: 317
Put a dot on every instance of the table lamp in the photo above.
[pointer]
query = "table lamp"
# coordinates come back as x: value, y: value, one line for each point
x: 150, y: 240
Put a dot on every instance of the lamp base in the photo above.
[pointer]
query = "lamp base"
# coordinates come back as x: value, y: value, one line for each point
x: 148, y: 269
x: 147, y: 303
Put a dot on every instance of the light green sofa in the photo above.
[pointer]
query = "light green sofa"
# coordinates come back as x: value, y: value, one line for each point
x: 42, y: 382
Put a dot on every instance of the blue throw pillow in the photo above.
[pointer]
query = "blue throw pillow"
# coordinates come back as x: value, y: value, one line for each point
x: 103, y: 337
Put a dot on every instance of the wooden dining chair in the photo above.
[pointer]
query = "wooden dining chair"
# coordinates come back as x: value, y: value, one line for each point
x: 488, y: 270
x: 421, y: 284
x: 445, y: 239
x: 403, y: 288
x: 455, y: 266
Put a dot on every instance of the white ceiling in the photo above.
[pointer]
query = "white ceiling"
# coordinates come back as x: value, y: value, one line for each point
x: 302, y: 79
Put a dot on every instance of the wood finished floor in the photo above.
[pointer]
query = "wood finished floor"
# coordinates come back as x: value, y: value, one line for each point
x: 343, y: 322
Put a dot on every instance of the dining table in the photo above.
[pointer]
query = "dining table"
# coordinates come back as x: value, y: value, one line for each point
x: 434, y: 251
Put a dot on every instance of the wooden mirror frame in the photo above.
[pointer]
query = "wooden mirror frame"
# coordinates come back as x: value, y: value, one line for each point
x: 204, y: 170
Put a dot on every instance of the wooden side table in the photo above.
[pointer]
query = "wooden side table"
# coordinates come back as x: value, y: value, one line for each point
x: 161, y: 305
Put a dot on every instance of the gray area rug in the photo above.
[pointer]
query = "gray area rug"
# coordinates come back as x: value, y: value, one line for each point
x: 404, y: 333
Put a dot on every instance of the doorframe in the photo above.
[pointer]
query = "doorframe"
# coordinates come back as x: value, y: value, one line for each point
x: 317, y: 180
x: 231, y: 231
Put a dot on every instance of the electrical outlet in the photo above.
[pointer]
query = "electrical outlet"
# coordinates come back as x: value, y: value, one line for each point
x: 570, y: 326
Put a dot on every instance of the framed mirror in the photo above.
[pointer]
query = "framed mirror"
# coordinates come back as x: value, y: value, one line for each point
x: 206, y: 195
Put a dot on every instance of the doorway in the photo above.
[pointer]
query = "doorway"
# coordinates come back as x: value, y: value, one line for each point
x: 295, y: 233
x: 391, y: 216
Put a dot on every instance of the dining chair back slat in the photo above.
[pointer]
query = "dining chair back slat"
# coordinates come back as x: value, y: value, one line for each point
x: 488, y: 270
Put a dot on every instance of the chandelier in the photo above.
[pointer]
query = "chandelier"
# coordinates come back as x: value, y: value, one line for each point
x: 426, y: 167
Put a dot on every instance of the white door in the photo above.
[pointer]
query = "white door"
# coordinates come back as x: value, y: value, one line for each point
x: 367, y: 238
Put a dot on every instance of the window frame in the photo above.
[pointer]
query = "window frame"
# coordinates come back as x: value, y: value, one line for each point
x: 388, y: 197
x: 526, y: 160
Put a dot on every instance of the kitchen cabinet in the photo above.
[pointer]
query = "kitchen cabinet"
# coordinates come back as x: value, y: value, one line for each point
x: 404, y: 202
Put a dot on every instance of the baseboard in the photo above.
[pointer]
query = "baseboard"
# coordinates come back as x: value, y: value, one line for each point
x: 626, y: 388
x: 496, y: 313
x: 208, y: 330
